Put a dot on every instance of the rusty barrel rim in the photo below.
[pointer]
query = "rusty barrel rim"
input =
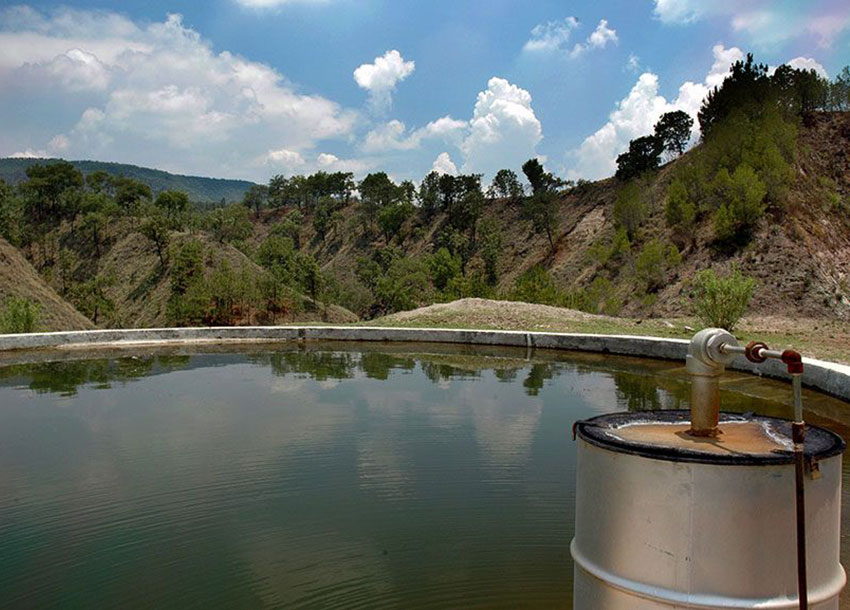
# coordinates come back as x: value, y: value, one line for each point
x: 599, y: 431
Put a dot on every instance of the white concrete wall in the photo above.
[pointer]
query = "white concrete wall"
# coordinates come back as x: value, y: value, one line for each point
x: 828, y: 377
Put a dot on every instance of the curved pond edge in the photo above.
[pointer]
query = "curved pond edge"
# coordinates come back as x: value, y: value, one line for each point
x: 829, y: 377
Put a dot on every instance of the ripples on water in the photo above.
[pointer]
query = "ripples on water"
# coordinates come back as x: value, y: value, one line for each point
x: 305, y: 479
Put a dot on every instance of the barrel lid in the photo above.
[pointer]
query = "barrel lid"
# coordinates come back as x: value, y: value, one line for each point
x: 745, y: 439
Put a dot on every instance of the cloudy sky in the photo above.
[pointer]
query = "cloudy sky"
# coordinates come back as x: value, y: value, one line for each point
x: 253, y: 88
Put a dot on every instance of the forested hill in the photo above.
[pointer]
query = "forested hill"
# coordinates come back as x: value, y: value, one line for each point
x: 761, y: 204
x: 198, y: 188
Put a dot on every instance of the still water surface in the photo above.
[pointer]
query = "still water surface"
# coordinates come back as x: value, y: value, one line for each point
x: 433, y: 477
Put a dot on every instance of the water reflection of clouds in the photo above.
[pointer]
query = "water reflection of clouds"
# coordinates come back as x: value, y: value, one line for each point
x: 505, y: 424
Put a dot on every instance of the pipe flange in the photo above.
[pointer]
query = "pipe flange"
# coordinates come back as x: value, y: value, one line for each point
x: 754, y: 351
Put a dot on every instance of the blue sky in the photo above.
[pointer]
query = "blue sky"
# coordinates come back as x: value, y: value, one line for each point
x: 251, y: 88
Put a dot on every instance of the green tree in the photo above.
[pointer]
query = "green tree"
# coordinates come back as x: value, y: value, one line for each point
x: 11, y: 215
x: 310, y: 277
x: 93, y: 226
x: 290, y: 227
x: 19, y: 315
x: 443, y: 266
x: 644, y: 155
x: 99, y: 182
x: 429, y: 195
x: 66, y: 264
x: 256, y: 198
x: 172, y: 203
x: 405, y: 285
x: 189, y: 298
x: 535, y: 174
x: 466, y: 204
x: 673, y: 130
x: 540, y: 180
x: 490, y: 246
x: 323, y: 217
x: 188, y: 266
x: 230, y: 224
x: 721, y: 301
x: 130, y: 193
x: 392, y: 217
x: 277, y: 254
x: 46, y: 191
x: 376, y: 192
x: 91, y: 297
x: 839, y: 91
x: 156, y: 229
x: 506, y: 185
x: 747, y: 88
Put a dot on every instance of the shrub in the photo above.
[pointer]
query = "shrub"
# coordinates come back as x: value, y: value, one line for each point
x: 629, y: 209
x: 679, y: 209
x: 655, y: 263
x: 649, y: 265
x: 736, y: 219
x: 444, y: 267
x: 19, y: 316
x: 721, y: 301
x: 536, y: 286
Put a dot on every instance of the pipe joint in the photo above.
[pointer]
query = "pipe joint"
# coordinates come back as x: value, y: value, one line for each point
x: 706, y: 353
x: 706, y: 362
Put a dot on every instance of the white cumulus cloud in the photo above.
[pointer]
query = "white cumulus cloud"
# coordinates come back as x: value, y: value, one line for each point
x: 393, y: 135
x: 554, y: 35
x: 598, y: 39
x: 152, y: 94
x: 381, y: 77
x: 503, y: 132
x: 807, y: 63
x: 551, y: 36
x: 443, y: 164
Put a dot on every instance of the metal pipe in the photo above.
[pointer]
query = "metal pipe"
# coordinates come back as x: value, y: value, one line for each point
x: 706, y: 361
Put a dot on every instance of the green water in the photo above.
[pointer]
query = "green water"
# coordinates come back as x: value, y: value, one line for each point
x: 317, y: 478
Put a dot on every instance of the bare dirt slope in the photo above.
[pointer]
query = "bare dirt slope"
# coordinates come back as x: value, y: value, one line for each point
x: 18, y: 278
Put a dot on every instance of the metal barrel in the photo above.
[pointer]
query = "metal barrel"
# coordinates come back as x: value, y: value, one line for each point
x: 702, y: 523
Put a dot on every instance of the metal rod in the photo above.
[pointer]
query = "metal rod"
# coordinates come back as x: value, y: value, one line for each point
x: 740, y: 349
x: 759, y: 352
x: 797, y: 384
x: 798, y: 433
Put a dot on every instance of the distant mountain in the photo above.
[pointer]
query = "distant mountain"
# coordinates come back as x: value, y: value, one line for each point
x: 199, y: 189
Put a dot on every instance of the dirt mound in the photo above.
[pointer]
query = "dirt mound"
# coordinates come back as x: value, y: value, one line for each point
x: 486, y: 313
x: 18, y: 278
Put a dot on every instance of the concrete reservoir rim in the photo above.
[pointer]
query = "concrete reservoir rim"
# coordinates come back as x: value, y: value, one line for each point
x: 829, y: 377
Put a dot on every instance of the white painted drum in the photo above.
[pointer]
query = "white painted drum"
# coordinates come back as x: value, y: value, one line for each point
x: 660, y: 527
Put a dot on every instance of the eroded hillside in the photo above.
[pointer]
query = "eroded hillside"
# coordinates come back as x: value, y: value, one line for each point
x: 799, y: 254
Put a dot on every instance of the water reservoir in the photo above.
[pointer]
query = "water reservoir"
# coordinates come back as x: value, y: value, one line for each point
x: 313, y: 476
